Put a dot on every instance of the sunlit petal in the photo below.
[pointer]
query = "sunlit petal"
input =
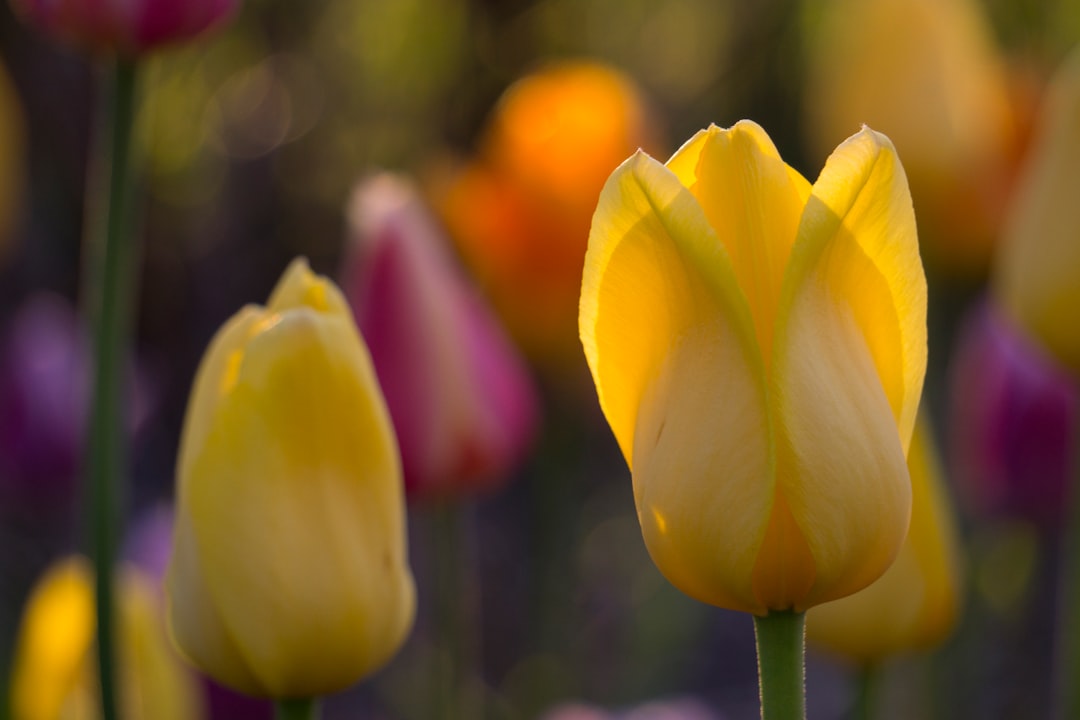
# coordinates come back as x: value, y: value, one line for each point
x: 669, y: 339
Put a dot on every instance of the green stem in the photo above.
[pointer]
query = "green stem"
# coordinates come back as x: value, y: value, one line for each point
x: 297, y: 709
x: 111, y: 294
x: 1068, y: 632
x: 866, y: 683
x: 781, y: 647
x: 456, y: 622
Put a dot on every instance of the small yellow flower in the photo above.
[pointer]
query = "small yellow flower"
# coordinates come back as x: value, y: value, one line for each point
x: 55, y: 675
x: 914, y: 605
x: 289, y: 575
x: 758, y: 347
x: 1038, y: 272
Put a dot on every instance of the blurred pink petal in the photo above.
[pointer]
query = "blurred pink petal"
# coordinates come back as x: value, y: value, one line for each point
x: 1012, y: 413
x: 461, y: 399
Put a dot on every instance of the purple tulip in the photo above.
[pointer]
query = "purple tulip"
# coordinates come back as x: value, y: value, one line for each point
x: 128, y: 27
x: 1012, y: 414
x: 43, y: 397
x: 461, y: 400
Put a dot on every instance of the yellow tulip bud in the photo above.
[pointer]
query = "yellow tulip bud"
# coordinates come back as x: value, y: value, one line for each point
x: 289, y: 575
x: 758, y: 347
x: 55, y: 675
x: 914, y: 605
x: 1038, y: 273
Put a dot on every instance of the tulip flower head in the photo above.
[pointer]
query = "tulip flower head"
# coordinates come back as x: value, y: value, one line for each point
x: 462, y: 402
x: 758, y: 346
x: 55, y: 674
x: 129, y: 27
x: 1013, y: 411
x: 915, y: 604
x: 520, y: 212
x: 927, y: 73
x: 289, y: 575
x: 1038, y: 272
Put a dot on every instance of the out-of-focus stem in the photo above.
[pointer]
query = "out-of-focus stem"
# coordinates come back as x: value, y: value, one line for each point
x: 110, y: 296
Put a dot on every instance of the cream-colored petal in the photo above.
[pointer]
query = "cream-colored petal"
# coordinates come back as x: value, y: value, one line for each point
x: 753, y: 201
x: 849, y: 362
x: 299, y: 478
x: 669, y: 339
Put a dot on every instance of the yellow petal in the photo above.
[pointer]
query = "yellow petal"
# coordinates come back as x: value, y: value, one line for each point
x: 297, y: 461
x: 194, y: 623
x: 914, y: 605
x: 670, y: 342
x: 54, y: 640
x: 849, y: 362
x: 1038, y: 274
x: 753, y: 201
x: 155, y: 685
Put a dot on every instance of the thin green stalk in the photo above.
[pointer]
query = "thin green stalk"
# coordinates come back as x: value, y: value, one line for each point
x: 866, y: 685
x: 781, y: 648
x: 1068, y: 617
x: 297, y: 709
x: 110, y: 294
x: 456, y: 621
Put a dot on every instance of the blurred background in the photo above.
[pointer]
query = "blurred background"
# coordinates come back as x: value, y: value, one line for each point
x: 507, y: 116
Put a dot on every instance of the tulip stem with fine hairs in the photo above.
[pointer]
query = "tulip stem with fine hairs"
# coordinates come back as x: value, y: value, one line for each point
x: 110, y: 292
x: 296, y: 709
x: 781, y: 649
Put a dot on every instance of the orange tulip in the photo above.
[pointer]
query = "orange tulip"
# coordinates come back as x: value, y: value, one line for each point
x: 520, y: 211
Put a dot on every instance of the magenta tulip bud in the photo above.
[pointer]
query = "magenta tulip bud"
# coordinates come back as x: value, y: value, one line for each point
x: 461, y: 400
x: 1012, y: 414
x: 126, y: 27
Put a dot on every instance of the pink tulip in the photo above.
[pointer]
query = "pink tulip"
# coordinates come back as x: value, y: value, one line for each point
x: 1012, y: 418
x: 128, y: 27
x: 462, y: 402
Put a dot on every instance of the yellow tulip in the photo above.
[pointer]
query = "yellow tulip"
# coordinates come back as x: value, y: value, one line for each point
x: 914, y: 605
x: 289, y: 575
x: 1038, y: 272
x: 927, y: 73
x: 55, y: 676
x: 758, y: 347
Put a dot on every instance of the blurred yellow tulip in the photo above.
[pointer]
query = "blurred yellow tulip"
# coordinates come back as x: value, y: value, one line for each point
x: 55, y: 675
x: 1038, y: 271
x: 520, y: 211
x: 915, y: 604
x: 289, y: 576
x: 926, y: 73
x: 758, y: 347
